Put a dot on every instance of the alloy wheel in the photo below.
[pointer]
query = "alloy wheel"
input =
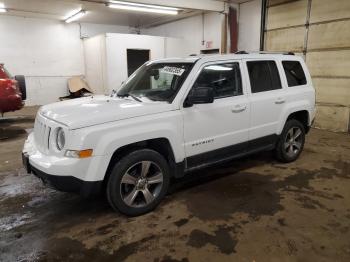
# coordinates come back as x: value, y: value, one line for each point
x: 141, y: 184
x: 293, y: 141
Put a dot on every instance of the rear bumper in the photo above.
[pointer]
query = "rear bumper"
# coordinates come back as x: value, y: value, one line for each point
x: 64, y: 183
x: 11, y: 103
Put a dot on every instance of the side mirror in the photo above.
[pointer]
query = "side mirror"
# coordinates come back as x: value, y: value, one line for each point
x: 200, y: 95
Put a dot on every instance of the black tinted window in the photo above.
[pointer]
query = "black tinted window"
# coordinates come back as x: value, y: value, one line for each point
x: 263, y: 76
x: 294, y: 73
x: 225, y: 79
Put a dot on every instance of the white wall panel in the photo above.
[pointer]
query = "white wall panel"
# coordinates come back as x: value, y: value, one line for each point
x: 39, y: 47
x: 47, y: 52
x: 190, y: 30
x: 90, y: 30
x: 94, y: 53
x: 249, y: 21
x: 116, y: 54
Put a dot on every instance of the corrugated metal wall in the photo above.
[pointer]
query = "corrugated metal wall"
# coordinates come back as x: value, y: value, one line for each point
x: 319, y: 30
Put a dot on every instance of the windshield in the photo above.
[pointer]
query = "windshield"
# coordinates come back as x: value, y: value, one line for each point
x: 158, y: 81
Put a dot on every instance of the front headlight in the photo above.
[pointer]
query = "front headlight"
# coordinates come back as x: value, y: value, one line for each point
x: 60, y: 139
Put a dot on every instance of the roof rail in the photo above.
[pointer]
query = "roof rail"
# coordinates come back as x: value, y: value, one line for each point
x: 263, y: 52
x: 241, y: 52
x: 272, y: 52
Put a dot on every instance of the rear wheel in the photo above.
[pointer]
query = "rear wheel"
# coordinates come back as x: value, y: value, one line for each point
x: 138, y: 182
x: 291, y: 141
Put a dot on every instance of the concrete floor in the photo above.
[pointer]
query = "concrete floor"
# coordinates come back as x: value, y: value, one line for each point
x: 254, y: 209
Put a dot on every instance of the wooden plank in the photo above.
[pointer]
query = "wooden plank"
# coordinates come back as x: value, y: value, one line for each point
x: 332, y: 118
x: 329, y: 63
x: 329, y: 35
x: 332, y: 90
x: 291, y: 39
x: 325, y: 10
x: 286, y: 15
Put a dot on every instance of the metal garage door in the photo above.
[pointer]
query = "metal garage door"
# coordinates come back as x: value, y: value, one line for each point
x: 320, y: 31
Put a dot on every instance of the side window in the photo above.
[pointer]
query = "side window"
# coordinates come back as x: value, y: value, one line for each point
x: 263, y: 76
x: 225, y: 79
x: 294, y: 73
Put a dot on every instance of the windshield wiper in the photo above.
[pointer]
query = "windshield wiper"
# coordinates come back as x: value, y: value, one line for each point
x: 134, y: 97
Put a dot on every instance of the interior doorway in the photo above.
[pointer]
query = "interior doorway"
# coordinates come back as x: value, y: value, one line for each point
x: 136, y: 58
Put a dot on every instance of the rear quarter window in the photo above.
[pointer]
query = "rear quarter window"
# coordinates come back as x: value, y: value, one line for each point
x: 294, y: 73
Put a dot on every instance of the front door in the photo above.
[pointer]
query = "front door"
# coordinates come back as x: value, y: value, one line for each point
x: 217, y: 130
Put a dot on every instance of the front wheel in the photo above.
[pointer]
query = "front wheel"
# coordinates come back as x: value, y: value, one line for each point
x: 291, y: 141
x: 138, y: 182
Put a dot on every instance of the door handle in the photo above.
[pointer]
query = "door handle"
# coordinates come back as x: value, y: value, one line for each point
x: 238, y: 109
x: 280, y: 101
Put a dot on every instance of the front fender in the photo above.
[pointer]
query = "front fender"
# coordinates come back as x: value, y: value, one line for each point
x: 107, y: 138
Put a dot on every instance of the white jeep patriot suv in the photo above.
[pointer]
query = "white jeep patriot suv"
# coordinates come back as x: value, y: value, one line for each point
x: 170, y: 117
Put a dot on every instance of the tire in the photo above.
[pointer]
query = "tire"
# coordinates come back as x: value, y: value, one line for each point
x: 22, y: 85
x: 291, y: 142
x: 133, y: 178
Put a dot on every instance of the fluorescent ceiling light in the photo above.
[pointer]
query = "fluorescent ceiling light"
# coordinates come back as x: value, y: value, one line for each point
x: 76, y: 16
x: 2, y: 8
x: 145, y: 5
x: 143, y: 8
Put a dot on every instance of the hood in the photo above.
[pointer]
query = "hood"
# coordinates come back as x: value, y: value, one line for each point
x: 88, y: 111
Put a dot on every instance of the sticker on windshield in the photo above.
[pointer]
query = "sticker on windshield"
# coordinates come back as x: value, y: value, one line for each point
x: 172, y: 70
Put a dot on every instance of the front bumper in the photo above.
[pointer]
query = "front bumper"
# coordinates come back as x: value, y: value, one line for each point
x: 45, y: 168
x: 64, y: 183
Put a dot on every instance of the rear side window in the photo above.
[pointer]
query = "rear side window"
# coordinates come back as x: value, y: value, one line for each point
x: 225, y: 79
x: 263, y: 76
x: 294, y: 73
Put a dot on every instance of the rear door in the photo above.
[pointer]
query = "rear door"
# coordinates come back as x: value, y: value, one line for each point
x: 267, y: 99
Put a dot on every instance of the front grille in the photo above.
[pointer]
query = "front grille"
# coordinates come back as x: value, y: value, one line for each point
x: 42, y: 134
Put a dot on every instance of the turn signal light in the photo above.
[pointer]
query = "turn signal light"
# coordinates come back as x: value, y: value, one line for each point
x: 79, y: 153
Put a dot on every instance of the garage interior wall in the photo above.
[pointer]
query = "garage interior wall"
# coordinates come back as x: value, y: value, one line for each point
x: 106, y: 57
x: 196, y: 31
x: 320, y: 31
x: 47, y: 52
x: 249, y: 21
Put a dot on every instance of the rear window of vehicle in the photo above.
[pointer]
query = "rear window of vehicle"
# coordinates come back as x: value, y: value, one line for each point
x: 294, y: 73
x: 263, y: 76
